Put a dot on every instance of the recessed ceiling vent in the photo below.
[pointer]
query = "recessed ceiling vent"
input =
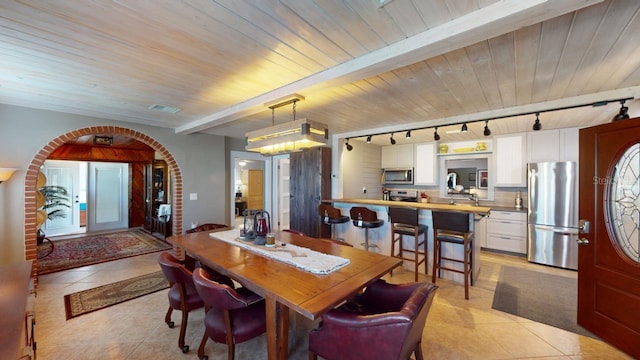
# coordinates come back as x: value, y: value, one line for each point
x: 165, y: 108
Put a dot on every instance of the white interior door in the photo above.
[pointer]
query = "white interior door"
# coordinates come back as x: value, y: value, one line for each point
x: 108, y: 196
x: 284, y: 193
x: 64, y: 174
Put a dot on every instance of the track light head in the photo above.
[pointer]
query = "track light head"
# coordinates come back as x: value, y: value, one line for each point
x: 537, y: 125
x: 349, y: 146
x: 464, y: 128
x: 369, y: 139
x: 623, y: 114
x: 487, y: 131
x: 436, y: 136
x: 408, y: 135
x: 392, y: 140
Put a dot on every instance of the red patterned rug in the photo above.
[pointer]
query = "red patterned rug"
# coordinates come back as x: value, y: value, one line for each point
x: 94, y: 249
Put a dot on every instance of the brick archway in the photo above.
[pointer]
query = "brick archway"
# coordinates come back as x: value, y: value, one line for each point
x: 31, y: 251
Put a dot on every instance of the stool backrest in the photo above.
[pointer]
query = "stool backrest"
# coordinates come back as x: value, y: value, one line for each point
x: 331, y: 211
x: 451, y: 220
x: 403, y: 215
x: 367, y: 215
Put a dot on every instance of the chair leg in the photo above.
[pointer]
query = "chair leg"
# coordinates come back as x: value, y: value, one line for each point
x: 436, y: 251
x: 312, y: 356
x: 203, y: 342
x: 415, y: 255
x: 418, y: 351
x: 183, y: 331
x: 167, y: 318
x: 466, y: 268
x: 426, y: 254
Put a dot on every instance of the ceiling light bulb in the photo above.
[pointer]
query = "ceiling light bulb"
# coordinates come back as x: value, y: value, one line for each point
x: 408, y: 135
x: 487, y: 131
x: 349, y: 146
x: 436, y: 136
x: 464, y: 127
x: 537, y: 125
x: 392, y: 140
x: 369, y: 139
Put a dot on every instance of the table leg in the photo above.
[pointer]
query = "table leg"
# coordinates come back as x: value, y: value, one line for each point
x: 277, y: 329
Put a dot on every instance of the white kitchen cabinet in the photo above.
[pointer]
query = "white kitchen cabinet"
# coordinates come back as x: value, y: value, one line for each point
x: 543, y: 146
x: 426, y: 165
x: 397, y: 156
x: 569, y: 144
x: 480, y: 230
x: 510, y: 160
x: 507, y: 231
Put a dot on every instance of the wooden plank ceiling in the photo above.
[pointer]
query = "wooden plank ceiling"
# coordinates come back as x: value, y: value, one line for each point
x: 363, y: 67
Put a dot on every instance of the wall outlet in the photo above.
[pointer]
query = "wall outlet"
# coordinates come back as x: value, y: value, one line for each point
x: 193, y: 196
x: 364, y: 190
x: 194, y: 224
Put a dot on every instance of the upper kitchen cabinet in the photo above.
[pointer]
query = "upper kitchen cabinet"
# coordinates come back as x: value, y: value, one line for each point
x: 510, y: 160
x: 397, y: 156
x: 426, y: 165
x: 552, y: 145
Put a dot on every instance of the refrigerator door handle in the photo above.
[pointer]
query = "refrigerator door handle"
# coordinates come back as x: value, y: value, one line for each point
x: 561, y: 230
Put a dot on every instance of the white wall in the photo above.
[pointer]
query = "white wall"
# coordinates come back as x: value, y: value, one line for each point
x: 24, y: 132
x: 361, y: 169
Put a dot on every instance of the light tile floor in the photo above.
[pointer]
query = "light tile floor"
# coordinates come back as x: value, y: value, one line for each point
x: 456, y: 328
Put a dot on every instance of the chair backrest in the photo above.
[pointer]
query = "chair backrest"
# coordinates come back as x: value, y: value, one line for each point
x: 219, y: 296
x: 206, y: 227
x: 403, y: 215
x: 173, y: 270
x: 417, y: 308
x: 329, y: 210
x: 451, y: 221
x: 367, y: 215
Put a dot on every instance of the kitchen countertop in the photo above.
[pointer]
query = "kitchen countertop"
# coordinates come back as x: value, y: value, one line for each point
x: 417, y: 205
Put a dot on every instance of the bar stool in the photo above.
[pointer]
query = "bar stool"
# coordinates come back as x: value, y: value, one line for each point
x: 453, y: 228
x: 332, y: 216
x: 404, y: 221
x: 365, y: 219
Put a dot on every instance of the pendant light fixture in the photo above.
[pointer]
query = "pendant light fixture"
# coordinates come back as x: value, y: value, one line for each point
x: 348, y: 146
x: 369, y: 139
x: 623, y: 114
x: 392, y: 140
x: 436, y: 136
x: 537, y: 125
x: 487, y: 131
x: 288, y: 137
x: 408, y: 135
x: 464, y: 128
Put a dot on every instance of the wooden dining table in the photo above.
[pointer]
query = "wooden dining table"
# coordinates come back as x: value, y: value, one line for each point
x: 285, y: 286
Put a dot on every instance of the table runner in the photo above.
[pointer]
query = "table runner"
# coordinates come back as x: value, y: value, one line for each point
x: 303, y: 258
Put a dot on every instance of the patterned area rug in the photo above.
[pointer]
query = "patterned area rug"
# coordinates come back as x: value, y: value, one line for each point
x: 86, y: 301
x: 89, y: 250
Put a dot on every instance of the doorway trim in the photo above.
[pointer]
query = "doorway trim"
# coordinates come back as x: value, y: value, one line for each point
x: 31, y: 250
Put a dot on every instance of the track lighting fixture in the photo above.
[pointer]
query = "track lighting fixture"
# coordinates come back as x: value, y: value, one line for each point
x: 487, y: 131
x: 408, y: 135
x: 369, y: 139
x: 392, y: 140
x: 537, y: 125
x: 349, y: 146
x: 622, y: 115
x: 436, y: 136
x: 464, y: 128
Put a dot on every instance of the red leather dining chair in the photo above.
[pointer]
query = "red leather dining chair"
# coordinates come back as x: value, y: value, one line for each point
x: 233, y: 315
x: 182, y: 293
x: 385, y: 322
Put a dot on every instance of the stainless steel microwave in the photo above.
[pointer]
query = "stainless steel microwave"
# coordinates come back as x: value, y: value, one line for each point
x: 398, y: 176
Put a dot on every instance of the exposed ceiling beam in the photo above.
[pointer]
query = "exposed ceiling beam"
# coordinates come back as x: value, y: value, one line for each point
x: 491, y: 21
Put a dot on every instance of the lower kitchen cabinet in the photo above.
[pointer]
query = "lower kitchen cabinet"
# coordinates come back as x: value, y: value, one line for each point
x: 507, y: 231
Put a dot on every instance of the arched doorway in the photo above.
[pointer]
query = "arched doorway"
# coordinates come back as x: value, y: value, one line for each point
x: 31, y: 175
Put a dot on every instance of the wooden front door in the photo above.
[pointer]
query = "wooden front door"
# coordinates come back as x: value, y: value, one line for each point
x: 608, y: 260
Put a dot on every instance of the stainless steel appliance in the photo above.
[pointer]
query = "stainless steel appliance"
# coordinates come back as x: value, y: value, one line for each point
x: 403, y: 195
x: 553, y: 214
x: 398, y: 176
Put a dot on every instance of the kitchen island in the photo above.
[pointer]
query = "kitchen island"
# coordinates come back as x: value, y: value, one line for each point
x: 381, y: 237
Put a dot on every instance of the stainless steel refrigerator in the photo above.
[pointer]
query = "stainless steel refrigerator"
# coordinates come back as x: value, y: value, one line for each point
x: 553, y: 214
